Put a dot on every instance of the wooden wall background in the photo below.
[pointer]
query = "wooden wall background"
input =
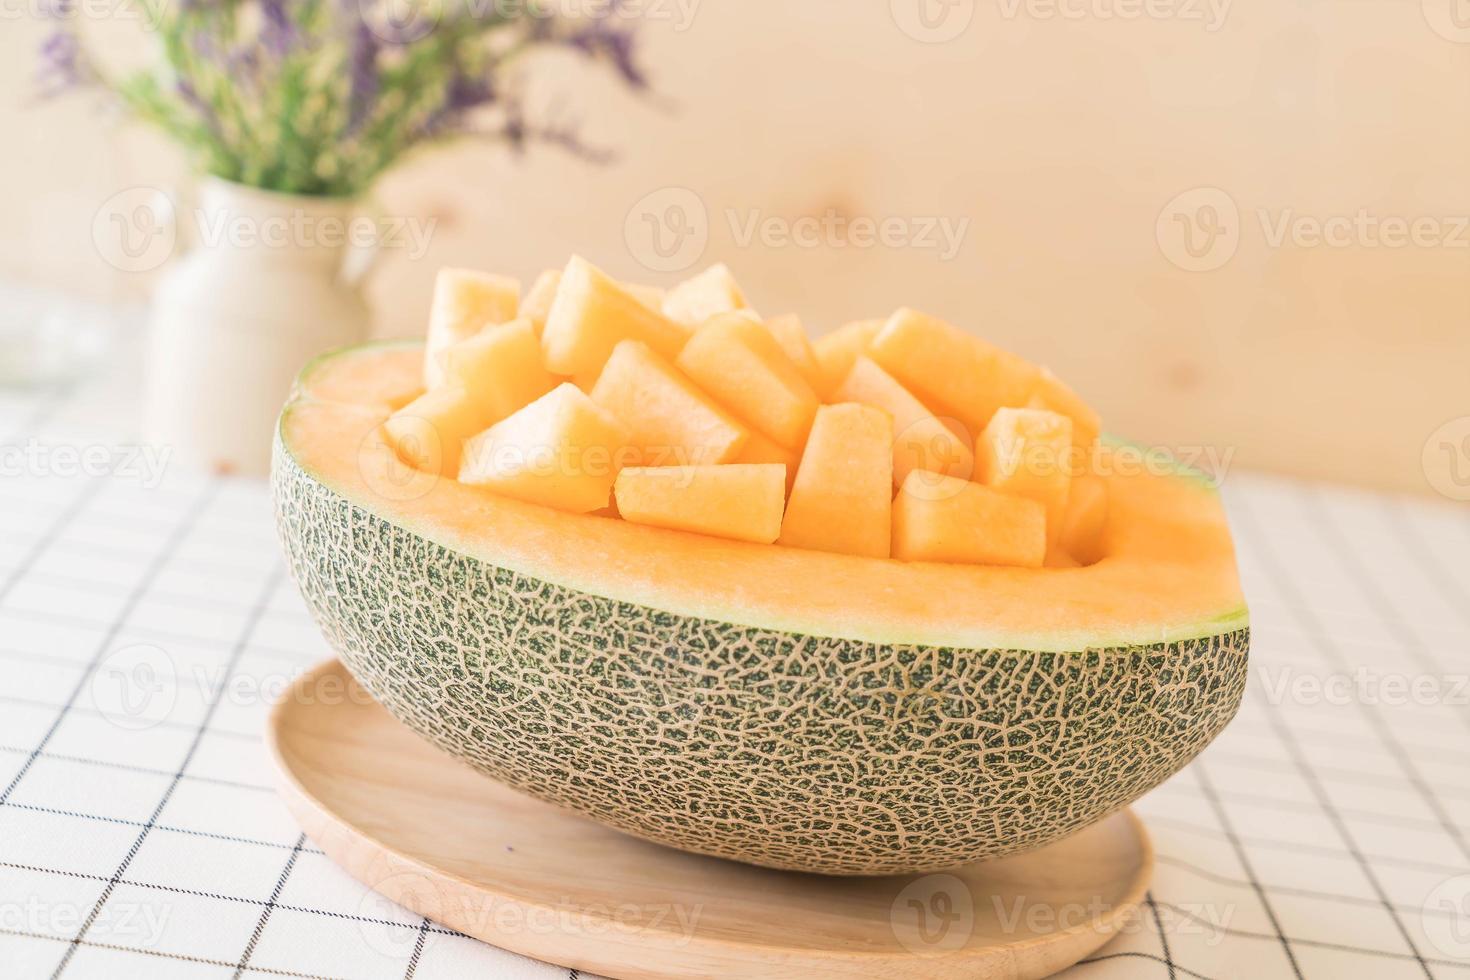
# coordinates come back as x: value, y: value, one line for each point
x: 1057, y: 136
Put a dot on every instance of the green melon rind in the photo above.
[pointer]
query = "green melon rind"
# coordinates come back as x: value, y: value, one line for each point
x: 775, y: 747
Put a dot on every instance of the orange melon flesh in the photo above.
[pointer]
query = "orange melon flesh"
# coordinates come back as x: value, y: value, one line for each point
x: 741, y: 502
x: 501, y: 365
x: 710, y: 293
x: 591, y: 314
x: 837, y: 351
x: 842, y: 498
x: 1168, y: 573
x: 759, y: 449
x: 1086, y: 518
x: 951, y: 370
x: 561, y: 451
x: 465, y: 301
x: 1054, y: 396
x: 1028, y: 452
x: 947, y: 519
x: 740, y: 364
x: 536, y: 304
x: 794, y: 343
x: 670, y: 421
x: 429, y: 432
x: 920, y: 441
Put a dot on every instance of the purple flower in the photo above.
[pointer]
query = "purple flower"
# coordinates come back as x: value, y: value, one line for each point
x: 602, y: 37
x: 363, y: 69
x: 278, y: 33
x: 63, y: 64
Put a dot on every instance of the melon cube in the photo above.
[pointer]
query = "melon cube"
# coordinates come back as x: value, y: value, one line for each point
x: 562, y: 451
x: 1027, y: 452
x: 737, y: 501
x: 1086, y: 518
x: 792, y: 338
x: 1054, y: 396
x: 837, y: 351
x: 842, y: 497
x: 920, y: 441
x: 465, y: 301
x: 536, y: 304
x: 590, y: 314
x: 671, y: 422
x: 944, y: 518
x: 951, y: 370
x: 650, y: 296
x: 759, y: 449
x: 429, y: 432
x: 710, y: 293
x: 501, y: 365
x: 738, y: 362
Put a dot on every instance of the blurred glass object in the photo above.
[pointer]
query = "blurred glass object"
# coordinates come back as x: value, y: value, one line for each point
x: 48, y: 338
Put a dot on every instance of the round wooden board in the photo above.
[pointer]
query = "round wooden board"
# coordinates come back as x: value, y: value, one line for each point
x: 448, y: 843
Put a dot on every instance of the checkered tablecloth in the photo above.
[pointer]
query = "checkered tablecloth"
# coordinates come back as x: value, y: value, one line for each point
x: 1323, y: 836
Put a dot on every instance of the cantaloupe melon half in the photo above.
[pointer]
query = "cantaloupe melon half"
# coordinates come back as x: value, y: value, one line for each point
x: 785, y: 707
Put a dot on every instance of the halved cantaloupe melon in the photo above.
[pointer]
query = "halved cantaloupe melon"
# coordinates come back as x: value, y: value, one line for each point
x: 590, y: 314
x: 671, y: 422
x: 710, y: 293
x: 920, y: 440
x: 837, y: 351
x: 945, y: 518
x: 740, y: 364
x: 950, y: 370
x: 792, y: 708
x: 737, y: 501
x: 560, y: 451
x: 1028, y: 452
x: 465, y: 301
x: 841, y: 499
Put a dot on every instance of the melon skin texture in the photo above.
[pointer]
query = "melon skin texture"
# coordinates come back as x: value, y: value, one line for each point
x: 779, y: 747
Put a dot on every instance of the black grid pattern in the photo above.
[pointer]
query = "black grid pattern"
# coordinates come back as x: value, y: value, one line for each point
x: 1324, y: 835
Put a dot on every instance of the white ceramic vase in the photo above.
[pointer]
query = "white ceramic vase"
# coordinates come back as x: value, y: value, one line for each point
x: 263, y: 290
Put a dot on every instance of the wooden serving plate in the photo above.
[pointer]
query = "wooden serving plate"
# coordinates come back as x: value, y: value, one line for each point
x: 448, y: 843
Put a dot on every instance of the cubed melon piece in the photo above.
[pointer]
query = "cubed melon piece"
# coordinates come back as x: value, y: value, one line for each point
x: 670, y: 421
x: 737, y: 501
x: 842, y: 497
x: 536, y: 304
x: 590, y: 314
x: 562, y: 451
x: 501, y: 365
x: 710, y: 293
x: 944, y: 518
x: 1054, y: 396
x: 429, y: 432
x: 1027, y: 452
x: 738, y: 362
x: 920, y: 440
x: 650, y: 296
x: 950, y: 370
x: 837, y: 351
x: 759, y: 449
x: 792, y: 338
x: 465, y: 301
x: 1085, y: 519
